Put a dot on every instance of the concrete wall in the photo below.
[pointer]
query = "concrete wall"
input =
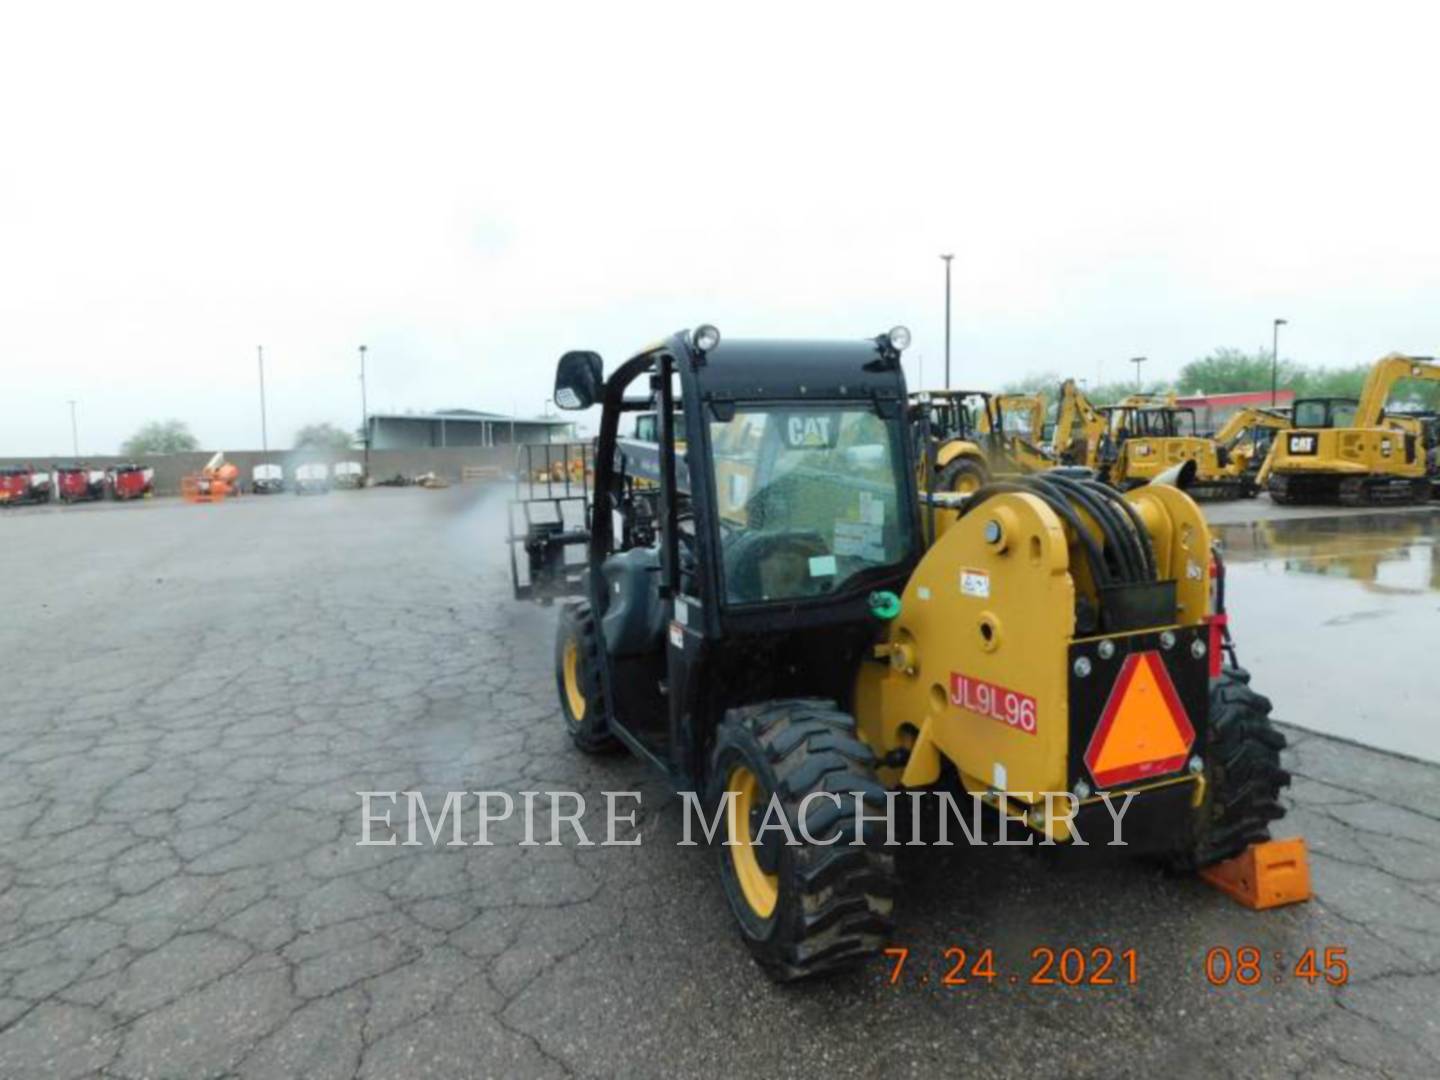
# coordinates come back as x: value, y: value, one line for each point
x: 169, y: 468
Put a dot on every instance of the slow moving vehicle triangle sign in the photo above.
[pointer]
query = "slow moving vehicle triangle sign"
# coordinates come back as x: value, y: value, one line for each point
x: 1144, y: 730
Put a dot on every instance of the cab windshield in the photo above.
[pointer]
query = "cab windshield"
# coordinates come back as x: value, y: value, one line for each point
x: 807, y: 499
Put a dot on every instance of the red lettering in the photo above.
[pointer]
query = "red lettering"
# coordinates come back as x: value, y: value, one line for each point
x: 1009, y: 707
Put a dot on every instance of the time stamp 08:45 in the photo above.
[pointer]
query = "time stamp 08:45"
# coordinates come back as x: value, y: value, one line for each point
x: 1239, y: 965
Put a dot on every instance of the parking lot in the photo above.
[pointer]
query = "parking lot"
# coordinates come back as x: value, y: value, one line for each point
x: 194, y: 695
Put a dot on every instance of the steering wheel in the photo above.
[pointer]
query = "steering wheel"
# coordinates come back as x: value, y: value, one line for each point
x: 756, y: 559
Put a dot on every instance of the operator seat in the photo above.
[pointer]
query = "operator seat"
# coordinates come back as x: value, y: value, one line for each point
x: 634, y: 619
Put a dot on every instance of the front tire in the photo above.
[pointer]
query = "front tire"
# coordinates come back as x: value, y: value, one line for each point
x: 1243, y: 776
x: 811, y: 907
x: 578, y: 679
x: 963, y: 475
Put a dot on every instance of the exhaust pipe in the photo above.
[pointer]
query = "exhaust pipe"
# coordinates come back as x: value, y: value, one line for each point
x: 1181, y: 476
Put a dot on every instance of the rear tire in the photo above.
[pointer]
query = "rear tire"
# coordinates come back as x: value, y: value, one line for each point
x: 577, y: 677
x: 964, y: 475
x: 1243, y: 776
x: 809, y: 908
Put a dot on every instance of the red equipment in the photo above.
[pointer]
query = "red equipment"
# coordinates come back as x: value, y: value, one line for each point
x: 22, y: 484
x: 130, y: 481
x: 78, y: 483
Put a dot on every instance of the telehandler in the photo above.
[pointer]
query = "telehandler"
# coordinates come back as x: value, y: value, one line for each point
x: 1353, y: 452
x: 764, y: 623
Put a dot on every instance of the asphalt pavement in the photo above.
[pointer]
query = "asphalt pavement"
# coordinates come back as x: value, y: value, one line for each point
x: 193, y: 696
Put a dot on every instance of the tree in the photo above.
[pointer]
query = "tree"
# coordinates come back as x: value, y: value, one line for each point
x: 1234, y: 370
x: 1332, y: 382
x: 323, y: 436
x: 1112, y: 393
x: 161, y: 437
x: 1347, y: 383
x: 1044, y: 382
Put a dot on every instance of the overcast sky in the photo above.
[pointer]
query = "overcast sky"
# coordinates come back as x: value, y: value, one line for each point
x: 473, y: 190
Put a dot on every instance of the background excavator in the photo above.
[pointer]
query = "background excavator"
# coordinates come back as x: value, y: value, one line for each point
x: 1352, y: 452
x: 1079, y: 427
x: 1146, y: 436
x: 1247, y: 440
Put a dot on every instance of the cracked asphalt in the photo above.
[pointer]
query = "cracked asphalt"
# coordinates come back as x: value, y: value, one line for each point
x: 192, y: 697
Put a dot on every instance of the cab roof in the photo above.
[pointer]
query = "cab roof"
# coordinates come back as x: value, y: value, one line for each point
x: 759, y: 368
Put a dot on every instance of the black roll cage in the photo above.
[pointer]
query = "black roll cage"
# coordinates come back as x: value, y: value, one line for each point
x: 702, y: 392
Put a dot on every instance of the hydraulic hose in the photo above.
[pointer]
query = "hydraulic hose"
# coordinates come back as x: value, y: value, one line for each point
x: 1146, y: 544
x: 1130, y: 529
x: 1115, y: 530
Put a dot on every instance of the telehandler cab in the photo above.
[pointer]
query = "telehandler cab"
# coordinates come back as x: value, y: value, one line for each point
x: 776, y: 616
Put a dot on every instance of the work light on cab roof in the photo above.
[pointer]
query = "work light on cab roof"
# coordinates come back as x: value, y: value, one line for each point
x: 706, y: 337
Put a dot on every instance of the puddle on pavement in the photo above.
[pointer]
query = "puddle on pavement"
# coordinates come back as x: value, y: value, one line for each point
x: 1338, y: 620
x: 1381, y: 553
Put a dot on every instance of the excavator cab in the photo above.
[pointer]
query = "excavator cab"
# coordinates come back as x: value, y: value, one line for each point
x: 1325, y: 412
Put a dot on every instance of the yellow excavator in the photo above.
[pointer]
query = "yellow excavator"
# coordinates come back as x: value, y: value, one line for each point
x: 1245, y: 442
x: 1079, y: 427
x: 1352, y: 452
x: 1147, y: 436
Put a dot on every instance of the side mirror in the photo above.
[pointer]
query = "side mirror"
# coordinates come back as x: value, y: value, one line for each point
x: 579, y: 380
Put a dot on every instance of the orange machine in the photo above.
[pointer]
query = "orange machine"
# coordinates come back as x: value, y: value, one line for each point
x: 216, y: 481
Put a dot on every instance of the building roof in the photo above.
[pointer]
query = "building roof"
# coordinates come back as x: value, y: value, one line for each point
x: 1241, y: 397
x: 473, y: 416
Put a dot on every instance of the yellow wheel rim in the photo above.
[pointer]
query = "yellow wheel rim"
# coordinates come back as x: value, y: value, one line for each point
x: 967, y: 483
x: 761, y: 890
x: 570, y: 670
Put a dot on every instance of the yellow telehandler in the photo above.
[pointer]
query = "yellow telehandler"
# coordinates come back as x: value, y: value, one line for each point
x: 789, y: 647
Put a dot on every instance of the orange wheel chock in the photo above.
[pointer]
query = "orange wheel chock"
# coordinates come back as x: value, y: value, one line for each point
x: 1266, y: 875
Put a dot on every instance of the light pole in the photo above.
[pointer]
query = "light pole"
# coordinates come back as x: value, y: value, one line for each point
x: 74, y: 430
x: 947, y: 259
x: 364, y: 414
x: 1275, y: 360
x: 1137, y: 361
x: 264, y: 435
